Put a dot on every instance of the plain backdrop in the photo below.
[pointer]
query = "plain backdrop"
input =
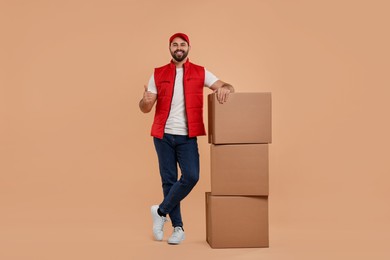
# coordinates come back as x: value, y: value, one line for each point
x: 78, y: 170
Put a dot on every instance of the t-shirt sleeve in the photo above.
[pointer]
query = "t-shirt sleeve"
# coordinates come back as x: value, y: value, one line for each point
x: 209, y: 78
x: 152, y: 85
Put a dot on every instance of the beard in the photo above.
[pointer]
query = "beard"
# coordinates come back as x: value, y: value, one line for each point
x: 179, y: 55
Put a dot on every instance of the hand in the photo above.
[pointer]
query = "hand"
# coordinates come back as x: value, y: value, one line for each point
x: 148, y: 97
x: 222, y: 94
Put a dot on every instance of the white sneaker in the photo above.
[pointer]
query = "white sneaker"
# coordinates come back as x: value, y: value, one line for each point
x: 158, y: 223
x: 177, y: 236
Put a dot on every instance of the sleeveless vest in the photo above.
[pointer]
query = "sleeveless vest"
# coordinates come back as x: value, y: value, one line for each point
x: 193, y: 84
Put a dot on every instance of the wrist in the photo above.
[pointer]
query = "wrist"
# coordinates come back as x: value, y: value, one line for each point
x: 229, y: 87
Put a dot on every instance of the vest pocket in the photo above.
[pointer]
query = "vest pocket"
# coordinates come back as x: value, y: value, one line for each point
x: 162, y: 87
x: 194, y: 86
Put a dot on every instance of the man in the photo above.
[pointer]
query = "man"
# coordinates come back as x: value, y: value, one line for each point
x: 178, y: 89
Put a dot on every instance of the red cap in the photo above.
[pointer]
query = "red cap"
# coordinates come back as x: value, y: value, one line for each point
x: 180, y: 35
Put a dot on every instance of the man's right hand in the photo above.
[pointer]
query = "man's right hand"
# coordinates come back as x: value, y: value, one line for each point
x: 148, y: 97
x: 147, y: 100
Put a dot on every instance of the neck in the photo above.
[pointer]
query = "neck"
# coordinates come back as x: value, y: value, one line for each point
x: 179, y: 64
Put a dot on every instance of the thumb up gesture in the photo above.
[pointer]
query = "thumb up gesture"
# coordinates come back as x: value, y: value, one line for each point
x: 147, y: 100
x: 148, y: 97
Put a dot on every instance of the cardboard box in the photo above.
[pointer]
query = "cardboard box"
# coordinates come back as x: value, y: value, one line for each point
x: 244, y: 118
x: 236, y: 221
x: 239, y: 169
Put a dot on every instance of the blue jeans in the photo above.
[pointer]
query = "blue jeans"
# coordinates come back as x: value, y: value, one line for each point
x: 171, y: 151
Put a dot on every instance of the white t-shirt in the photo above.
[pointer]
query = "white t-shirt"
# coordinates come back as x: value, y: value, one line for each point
x: 177, y: 119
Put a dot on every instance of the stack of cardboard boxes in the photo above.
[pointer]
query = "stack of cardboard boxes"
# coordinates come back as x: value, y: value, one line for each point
x: 237, y: 206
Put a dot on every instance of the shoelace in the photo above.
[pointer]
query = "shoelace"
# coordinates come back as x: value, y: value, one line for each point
x: 162, y: 221
x: 176, y: 231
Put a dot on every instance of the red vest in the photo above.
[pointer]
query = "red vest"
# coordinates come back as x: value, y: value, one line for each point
x: 193, y: 83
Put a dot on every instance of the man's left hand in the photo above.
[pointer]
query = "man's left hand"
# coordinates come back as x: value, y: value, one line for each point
x: 222, y: 94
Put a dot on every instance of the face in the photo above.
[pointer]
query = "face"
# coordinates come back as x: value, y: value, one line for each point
x: 179, y: 49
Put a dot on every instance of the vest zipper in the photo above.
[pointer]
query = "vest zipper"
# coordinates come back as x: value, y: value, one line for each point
x: 170, y: 104
x: 185, y: 100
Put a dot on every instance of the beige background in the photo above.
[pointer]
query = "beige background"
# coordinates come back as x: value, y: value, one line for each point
x: 78, y: 169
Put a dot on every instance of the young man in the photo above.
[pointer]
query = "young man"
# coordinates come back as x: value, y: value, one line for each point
x: 178, y: 89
